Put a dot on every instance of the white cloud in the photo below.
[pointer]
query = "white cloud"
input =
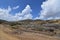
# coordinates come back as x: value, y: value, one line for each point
x: 50, y: 10
x: 25, y: 14
x: 16, y: 7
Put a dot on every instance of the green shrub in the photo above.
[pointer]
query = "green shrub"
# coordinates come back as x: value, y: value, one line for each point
x: 39, y: 29
x: 14, y: 27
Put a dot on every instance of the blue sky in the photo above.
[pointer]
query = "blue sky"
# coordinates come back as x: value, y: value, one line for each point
x: 14, y: 10
x: 34, y: 4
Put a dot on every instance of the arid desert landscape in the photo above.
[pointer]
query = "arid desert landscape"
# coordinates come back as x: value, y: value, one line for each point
x: 30, y: 30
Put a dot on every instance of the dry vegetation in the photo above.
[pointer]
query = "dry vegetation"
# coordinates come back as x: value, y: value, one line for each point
x: 30, y: 30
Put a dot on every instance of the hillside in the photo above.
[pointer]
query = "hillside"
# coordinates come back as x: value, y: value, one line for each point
x: 30, y: 30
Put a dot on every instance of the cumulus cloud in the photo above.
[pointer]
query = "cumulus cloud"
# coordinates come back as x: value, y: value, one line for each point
x: 25, y: 14
x: 16, y: 7
x: 50, y: 10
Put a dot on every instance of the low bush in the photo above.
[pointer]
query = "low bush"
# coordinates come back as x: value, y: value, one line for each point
x: 14, y: 27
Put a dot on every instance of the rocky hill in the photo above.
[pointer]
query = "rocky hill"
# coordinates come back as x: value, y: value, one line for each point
x: 30, y: 30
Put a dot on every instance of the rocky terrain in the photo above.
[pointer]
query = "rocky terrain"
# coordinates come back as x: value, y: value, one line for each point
x: 30, y: 30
